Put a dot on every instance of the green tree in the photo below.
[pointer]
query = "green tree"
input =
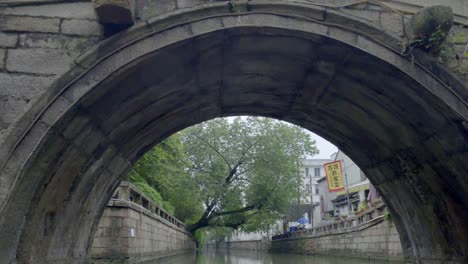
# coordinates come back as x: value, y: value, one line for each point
x: 162, y: 176
x: 226, y: 174
x: 246, y: 170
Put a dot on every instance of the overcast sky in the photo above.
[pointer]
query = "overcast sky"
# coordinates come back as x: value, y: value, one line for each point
x: 326, y: 148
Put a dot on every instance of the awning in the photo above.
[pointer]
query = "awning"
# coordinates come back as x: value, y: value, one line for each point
x: 343, y: 198
x: 355, y: 188
x: 351, y: 200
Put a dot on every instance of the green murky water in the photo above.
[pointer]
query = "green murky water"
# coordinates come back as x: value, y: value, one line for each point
x: 247, y: 257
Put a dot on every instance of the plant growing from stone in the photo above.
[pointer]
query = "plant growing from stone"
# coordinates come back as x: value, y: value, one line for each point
x: 387, y: 216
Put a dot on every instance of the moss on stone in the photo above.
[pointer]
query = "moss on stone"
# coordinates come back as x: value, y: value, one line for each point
x: 429, y: 28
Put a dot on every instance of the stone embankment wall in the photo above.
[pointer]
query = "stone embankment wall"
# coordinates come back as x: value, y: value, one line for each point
x: 133, y: 230
x: 368, y: 235
x: 378, y: 239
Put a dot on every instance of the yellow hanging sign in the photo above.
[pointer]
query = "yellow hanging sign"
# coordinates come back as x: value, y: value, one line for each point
x: 334, y: 176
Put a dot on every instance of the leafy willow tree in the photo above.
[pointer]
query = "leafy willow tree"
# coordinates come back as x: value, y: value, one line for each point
x: 246, y: 170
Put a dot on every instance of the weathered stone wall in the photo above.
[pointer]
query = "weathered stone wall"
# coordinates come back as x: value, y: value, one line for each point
x: 39, y: 42
x: 63, y: 147
x: 377, y: 239
x: 366, y: 235
x: 153, y: 236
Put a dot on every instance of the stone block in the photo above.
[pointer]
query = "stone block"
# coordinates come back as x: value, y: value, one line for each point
x: 117, y: 165
x: 367, y: 15
x: 21, y: 85
x: 116, y: 212
x: 2, y: 59
x: 54, y: 41
x: 105, y: 242
x: 375, y: 239
x: 11, y: 108
x: 395, y: 238
x: 83, y: 10
x: 392, y: 22
x: 104, y: 252
x: 81, y: 27
x: 125, y: 232
x: 8, y: 40
x: 134, y: 214
x: 111, y: 222
x: 206, y: 25
x: 54, y: 111
x: 128, y: 222
x: 375, y: 7
x: 149, y: 8
x: 89, y: 140
x: 343, y: 35
x: 189, y: 3
x: 33, y: 61
x: 80, y: 88
x: 33, y: 24
x: 147, y: 244
x: 75, y: 127
x: 98, y: 232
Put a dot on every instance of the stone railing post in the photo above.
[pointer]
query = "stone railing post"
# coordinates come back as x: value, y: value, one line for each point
x: 124, y: 191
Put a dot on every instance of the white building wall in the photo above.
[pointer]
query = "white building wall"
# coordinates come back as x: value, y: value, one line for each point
x: 242, y: 236
x: 327, y: 196
x: 239, y: 235
x: 312, y: 171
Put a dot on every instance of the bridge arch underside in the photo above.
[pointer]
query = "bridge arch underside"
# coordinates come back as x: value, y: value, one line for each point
x: 401, y: 132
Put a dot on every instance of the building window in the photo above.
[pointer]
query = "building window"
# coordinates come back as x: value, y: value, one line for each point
x: 307, y: 171
x: 317, y: 172
x: 308, y: 188
x: 316, y: 190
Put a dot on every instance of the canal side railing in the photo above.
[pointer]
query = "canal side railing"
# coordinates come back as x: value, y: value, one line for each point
x: 134, y: 229
x: 354, y: 223
x: 129, y: 194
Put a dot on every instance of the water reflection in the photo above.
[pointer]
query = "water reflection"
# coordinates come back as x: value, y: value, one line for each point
x: 248, y: 257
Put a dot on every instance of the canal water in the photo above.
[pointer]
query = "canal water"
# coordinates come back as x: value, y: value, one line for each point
x: 249, y: 257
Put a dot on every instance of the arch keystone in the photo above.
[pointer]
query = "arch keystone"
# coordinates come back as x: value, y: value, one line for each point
x: 115, y: 15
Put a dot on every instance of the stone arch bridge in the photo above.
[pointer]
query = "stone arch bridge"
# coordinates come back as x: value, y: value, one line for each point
x: 87, y: 87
